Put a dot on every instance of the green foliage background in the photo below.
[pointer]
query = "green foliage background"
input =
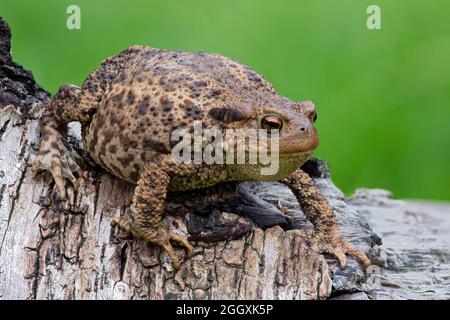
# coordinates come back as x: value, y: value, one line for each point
x: 383, y: 96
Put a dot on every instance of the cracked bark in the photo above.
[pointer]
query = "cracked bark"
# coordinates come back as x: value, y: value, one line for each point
x: 53, y: 250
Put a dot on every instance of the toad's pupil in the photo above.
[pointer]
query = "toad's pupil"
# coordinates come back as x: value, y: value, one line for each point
x: 272, y: 122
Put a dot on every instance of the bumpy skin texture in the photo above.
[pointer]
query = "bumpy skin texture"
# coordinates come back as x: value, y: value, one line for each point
x: 129, y: 108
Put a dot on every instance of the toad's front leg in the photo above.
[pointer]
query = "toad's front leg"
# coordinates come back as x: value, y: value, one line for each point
x: 326, y: 236
x: 69, y: 104
x: 147, y: 208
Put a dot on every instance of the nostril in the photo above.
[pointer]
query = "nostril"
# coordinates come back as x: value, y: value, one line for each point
x: 302, y: 129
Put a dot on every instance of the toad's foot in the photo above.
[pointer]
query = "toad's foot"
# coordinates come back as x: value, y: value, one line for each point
x: 160, y: 236
x: 55, y: 158
x: 331, y: 242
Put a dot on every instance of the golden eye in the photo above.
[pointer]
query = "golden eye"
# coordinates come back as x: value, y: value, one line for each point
x: 271, y: 121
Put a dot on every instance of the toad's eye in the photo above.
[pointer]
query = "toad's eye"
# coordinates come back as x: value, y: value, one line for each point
x: 271, y: 121
x: 314, y: 117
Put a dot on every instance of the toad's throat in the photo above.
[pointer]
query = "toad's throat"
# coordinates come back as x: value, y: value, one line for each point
x: 282, y: 166
x: 276, y: 168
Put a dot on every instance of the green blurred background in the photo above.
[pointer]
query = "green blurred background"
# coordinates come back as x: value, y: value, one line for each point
x: 383, y: 96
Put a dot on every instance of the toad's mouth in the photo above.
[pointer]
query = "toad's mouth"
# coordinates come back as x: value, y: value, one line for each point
x: 296, y: 147
x: 293, y: 154
x: 296, y: 154
x: 297, y: 158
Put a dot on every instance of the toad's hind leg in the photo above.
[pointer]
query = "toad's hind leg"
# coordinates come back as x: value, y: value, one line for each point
x: 54, y: 156
x: 147, y: 208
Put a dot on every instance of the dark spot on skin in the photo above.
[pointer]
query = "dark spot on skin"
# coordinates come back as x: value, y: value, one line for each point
x: 169, y: 87
x: 163, y: 81
x: 214, y: 93
x: 143, y: 105
x: 114, y: 118
x: 130, y: 99
x: 168, y: 120
x: 118, y: 97
x: 226, y: 114
x: 149, y: 143
x: 165, y: 103
x: 125, y: 142
x: 125, y: 161
x: 91, y: 111
x: 102, y: 151
x: 200, y: 83
x: 143, y: 223
x: 159, y: 70
x: 163, y: 100
x: 253, y: 76
x: 193, y: 111
x: 134, y: 175
x: 113, y: 149
x: 121, y: 126
x: 167, y: 107
x: 151, y: 53
x: 60, y: 110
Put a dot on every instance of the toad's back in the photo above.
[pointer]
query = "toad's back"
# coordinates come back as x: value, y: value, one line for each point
x: 144, y: 94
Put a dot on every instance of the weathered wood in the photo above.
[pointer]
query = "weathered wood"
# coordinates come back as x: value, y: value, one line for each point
x: 415, y: 258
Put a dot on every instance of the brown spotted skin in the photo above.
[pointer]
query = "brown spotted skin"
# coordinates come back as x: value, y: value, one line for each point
x: 129, y: 108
